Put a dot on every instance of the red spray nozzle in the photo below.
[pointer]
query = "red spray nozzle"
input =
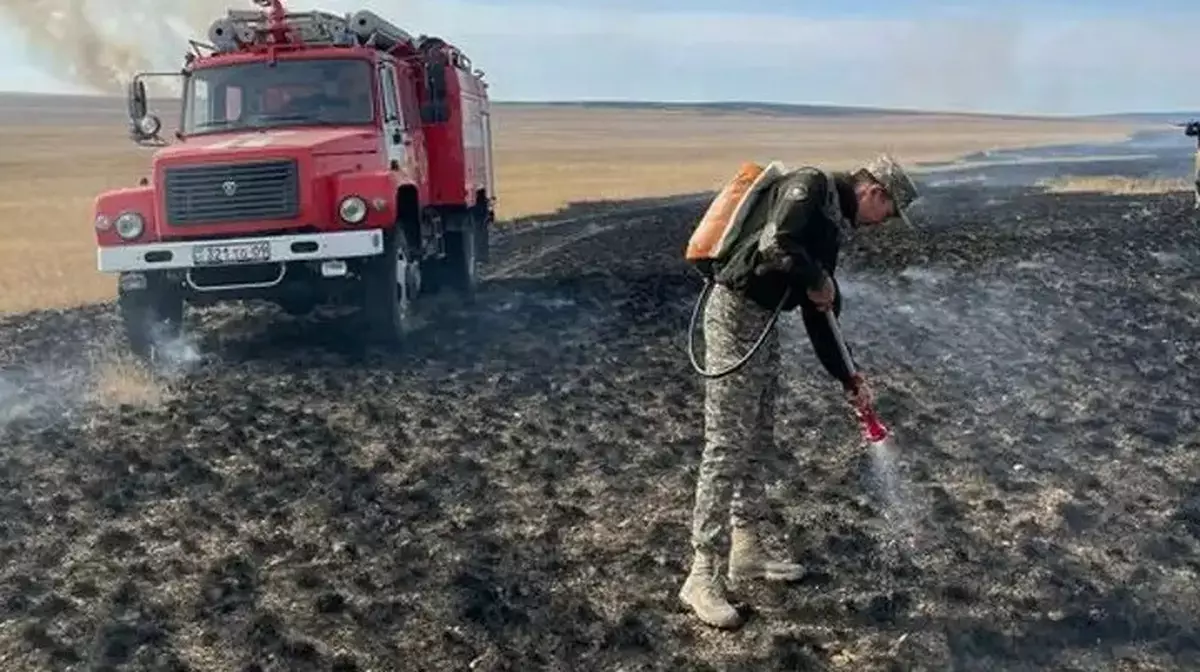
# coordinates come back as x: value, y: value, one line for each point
x: 873, y: 430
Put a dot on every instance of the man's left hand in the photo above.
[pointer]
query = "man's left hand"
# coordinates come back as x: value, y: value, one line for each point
x: 858, y: 392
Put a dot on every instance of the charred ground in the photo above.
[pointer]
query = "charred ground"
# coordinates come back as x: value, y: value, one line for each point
x: 514, y: 492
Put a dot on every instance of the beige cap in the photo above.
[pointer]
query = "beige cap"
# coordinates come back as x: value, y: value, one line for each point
x: 896, y: 182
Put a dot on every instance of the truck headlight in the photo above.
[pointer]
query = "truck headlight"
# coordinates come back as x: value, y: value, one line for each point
x: 352, y: 210
x: 129, y: 225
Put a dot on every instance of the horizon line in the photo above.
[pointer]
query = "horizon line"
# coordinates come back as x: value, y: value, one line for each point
x: 736, y: 103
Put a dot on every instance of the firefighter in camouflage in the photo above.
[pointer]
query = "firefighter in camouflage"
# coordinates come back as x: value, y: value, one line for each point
x: 790, y: 241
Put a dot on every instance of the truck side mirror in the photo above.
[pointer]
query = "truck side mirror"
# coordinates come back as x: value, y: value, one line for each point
x: 144, y: 127
x: 137, y: 100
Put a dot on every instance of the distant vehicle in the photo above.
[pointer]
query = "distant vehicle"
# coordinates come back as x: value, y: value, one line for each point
x: 319, y: 159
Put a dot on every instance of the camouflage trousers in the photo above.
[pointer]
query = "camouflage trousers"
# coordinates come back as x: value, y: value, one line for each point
x: 1196, y: 177
x: 739, y: 418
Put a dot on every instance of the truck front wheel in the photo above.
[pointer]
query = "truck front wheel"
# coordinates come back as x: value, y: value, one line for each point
x: 391, y: 283
x: 151, y: 314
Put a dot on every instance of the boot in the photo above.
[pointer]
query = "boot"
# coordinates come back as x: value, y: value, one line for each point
x: 703, y: 592
x: 748, y: 560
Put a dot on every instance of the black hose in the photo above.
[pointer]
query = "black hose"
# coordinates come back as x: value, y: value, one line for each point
x: 704, y: 293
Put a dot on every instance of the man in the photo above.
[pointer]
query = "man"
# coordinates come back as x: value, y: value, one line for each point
x: 789, y: 243
x: 1192, y: 130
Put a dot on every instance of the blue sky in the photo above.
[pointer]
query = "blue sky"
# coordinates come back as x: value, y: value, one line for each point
x: 1022, y: 56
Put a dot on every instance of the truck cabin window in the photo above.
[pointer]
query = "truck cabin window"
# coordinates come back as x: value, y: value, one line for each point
x: 324, y: 92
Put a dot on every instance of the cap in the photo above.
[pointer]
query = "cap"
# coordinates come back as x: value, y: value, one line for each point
x: 896, y: 182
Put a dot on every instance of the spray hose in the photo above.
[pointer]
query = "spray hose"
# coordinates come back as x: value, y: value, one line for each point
x: 700, y: 302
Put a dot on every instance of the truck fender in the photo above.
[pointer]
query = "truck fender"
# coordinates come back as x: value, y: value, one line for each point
x: 378, y: 189
x: 111, y: 204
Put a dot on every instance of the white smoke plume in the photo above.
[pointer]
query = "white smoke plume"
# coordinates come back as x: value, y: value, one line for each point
x: 100, y: 44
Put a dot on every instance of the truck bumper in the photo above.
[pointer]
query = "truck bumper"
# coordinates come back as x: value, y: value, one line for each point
x: 199, y: 253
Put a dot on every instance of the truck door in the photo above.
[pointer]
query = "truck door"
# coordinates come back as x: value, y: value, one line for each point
x: 488, y: 168
x: 396, y: 137
x: 410, y: 120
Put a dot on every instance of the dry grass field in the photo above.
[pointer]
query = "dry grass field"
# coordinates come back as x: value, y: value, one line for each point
x: 546, y: 157
x: 1115, y: 184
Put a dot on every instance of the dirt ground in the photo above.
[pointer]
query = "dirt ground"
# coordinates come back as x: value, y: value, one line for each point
x: 514, y: 491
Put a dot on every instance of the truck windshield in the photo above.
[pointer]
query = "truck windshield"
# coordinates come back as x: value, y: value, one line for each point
x: 289, y: 93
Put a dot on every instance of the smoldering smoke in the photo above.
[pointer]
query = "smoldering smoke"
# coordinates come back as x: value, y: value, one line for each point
x: 100, y: 44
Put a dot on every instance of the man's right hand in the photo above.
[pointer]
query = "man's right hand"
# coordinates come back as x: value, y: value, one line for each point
x: 823, y: 298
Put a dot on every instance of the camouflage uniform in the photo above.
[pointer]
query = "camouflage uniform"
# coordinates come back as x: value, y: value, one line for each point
x: 739, y: 409
x: 739, y: 418
x: 1196, y: 177
x: 1192, y: 130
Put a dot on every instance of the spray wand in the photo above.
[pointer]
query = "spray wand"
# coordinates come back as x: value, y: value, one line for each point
x: 874, y: 432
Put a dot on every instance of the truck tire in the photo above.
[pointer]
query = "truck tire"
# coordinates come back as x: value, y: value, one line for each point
x: 297, y: 307
x: 461, y: 265
x: 391, y: 282
x: 483, y: 237
x: 150, y: 315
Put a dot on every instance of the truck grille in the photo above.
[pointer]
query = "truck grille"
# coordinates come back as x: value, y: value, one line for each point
x: 262, y: 190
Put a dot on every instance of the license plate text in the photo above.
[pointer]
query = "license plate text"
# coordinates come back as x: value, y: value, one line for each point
x: 233, y: 253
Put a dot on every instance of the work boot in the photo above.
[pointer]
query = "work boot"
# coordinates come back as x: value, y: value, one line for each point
x: 704, y: 593
x: 748, y: 560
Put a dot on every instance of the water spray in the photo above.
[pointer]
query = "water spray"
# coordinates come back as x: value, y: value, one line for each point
x: 898, y: 509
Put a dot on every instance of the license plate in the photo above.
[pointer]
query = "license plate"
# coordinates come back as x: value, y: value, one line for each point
x: 231, y: 253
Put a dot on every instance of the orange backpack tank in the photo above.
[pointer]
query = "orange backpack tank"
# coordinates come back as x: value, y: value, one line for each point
x: 713, y: 239
x: 718, y: 230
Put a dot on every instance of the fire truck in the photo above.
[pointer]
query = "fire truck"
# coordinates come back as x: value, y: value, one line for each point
x: 319, y: 159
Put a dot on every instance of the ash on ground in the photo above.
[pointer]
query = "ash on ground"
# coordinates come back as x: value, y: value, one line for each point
x: 513, y: 492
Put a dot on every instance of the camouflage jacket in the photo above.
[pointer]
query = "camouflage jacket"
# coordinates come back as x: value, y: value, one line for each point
x: 800, y: 217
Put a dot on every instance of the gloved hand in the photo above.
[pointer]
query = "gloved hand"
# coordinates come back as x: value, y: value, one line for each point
x: 823, y: 298
x: 858, y: 392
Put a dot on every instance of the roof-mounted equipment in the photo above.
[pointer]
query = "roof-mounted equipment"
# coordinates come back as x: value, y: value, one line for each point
x: 251, y: 29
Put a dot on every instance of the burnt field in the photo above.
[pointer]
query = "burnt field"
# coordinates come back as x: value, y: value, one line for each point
x: 514, y: 491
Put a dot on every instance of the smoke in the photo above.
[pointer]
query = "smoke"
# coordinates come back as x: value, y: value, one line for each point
x: 100, y: 44
x: 102, y: 373
x: 174, y: 356
x: 39, y: 395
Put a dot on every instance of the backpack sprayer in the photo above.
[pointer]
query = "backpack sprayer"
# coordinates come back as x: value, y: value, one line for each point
x: 713, y: 240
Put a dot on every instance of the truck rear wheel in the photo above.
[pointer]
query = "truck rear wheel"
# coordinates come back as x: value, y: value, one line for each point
x: 150, y: 315
x: 391, y: 283
x: 482, y: 237
x: 460, y: 268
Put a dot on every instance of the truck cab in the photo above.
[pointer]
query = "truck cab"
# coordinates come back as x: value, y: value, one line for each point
x: 318, y: 159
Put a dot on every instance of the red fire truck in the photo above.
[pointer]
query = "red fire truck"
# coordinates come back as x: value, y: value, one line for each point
x: 319, y: 159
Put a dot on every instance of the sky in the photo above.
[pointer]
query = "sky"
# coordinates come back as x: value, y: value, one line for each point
x: 1019, y: 56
